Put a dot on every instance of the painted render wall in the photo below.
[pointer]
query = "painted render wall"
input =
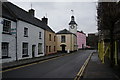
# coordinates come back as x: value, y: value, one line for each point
x: 32, y: 39
x: 10, y: 38
x: 74, y: 42
x: 81, y: 39
x: 1, y: 28
x: 51, y: 43
x: 70, y: 42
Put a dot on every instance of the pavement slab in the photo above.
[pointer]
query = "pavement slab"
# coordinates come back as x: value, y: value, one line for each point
x: 95, y: 70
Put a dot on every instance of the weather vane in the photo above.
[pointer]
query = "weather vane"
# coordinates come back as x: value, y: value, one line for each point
x: 31, y: 5
x: 72, y: 12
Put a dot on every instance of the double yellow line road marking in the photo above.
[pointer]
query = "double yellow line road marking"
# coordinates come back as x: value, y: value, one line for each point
x: 82, y: 69
x: 78, y: 76
x: 34, y: 63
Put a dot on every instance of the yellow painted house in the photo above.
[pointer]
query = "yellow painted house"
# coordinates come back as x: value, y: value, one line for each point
x: 66, y: 41
x: 50, y: 39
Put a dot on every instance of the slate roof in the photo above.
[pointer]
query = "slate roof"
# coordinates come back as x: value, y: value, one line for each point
x: 65, y: 31
x: 23, y: 15
x: 81, y: 32
x: 7, y: 14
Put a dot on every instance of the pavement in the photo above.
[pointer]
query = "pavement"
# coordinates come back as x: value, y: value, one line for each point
x: 95, y: 70
x: 28, y: 61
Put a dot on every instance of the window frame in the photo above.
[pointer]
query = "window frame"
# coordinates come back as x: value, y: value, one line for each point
x: 40, y: 49
x: 7, y: 54
x: 50, y: 37
x: 6, y: 26
x: 40, y: 35
x: 63, y: 39
x: 23, y: 50
x: 25, y: 33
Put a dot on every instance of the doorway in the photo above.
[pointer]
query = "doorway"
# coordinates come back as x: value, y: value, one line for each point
x: 33, y: 50
x: 63, y: 47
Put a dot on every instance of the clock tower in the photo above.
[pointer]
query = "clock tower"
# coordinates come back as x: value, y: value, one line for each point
x: 73, y: 25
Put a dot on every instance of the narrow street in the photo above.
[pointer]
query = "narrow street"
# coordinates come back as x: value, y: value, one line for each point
x: 62, y: 67
x: 60, y: 40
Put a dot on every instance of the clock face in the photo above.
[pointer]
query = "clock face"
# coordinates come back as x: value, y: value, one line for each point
x: 72, y: 27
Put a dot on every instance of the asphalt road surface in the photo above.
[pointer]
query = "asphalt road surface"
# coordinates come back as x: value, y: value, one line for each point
x: 62, y: 67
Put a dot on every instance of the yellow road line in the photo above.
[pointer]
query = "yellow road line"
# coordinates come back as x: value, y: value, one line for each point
x: 34, y: 63
x: 81, y: 71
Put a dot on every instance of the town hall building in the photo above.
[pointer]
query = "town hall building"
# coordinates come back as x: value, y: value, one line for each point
x: 72, y: 39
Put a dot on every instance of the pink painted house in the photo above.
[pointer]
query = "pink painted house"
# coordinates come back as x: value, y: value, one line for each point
x: 81, y: 40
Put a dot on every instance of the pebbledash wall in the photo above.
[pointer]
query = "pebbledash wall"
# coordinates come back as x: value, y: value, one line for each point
x: 32, y: 39
x: 10, y: 39
x: 81, y: 40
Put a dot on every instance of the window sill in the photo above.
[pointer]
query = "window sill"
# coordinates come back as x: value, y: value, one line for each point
x: 5, y: 57
x: 40, y: 53
x: 25, y: 36
x: 25, y: 55
x: 6, y: 33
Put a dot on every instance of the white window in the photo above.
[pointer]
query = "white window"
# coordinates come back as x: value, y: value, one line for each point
x: 5, y: 49
x: 25, y: 49
x: 63, y: 40
x: 40, y: 48
x: 6, y: 26
x: 25, y: 32
x: 40, y: 35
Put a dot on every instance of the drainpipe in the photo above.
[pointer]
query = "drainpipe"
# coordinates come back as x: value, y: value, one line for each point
x: 16, y: 41
x: 45, y: 43
x: 71, y: 42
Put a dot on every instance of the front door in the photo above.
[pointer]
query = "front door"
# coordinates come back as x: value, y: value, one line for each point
x: 33, y: 50
x: 63, y: 48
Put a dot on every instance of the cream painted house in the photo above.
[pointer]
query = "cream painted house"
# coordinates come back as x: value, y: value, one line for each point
x: 50, y: 39
x: 50, y: 42
x: 66, y: 41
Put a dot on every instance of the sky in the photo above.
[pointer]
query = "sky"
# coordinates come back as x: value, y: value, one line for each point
x: 59, y: 13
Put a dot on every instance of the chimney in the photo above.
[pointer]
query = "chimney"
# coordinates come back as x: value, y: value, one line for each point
x: 32, y: 12
x: 45, y: 20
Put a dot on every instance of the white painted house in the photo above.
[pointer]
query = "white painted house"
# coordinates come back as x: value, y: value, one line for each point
x: 8, y: 24
x: 29, y: 39
x: 25, y: 35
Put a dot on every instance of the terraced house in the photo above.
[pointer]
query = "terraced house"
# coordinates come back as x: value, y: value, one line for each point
x: 50, y: 39
x: 22, y: 35
x: 8, y: 26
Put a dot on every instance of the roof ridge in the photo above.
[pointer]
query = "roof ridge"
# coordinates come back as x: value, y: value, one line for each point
x: 25, y: 16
